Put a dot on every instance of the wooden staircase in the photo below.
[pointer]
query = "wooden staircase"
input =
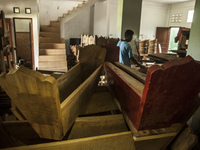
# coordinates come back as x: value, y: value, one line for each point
x: 52, y: 53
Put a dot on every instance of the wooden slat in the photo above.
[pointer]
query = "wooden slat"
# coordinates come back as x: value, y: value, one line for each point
x: 76, y: 101
x: 52, y: 64
x: 52, y: 46
x: 68, y: 82
x: 100, y: 102
x: 52, y: 58
x: 122, y: 141
x: 52, y: 51
x: 37, y: 97
x: 132, y: 71
x: 97, y: 125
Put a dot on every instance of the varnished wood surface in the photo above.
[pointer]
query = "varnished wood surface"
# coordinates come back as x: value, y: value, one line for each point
x: 121, y: 141
x: 167, y: 93
x: 132, y: 71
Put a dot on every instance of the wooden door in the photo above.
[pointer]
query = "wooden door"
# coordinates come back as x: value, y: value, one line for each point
x: 24, y: 40
x: 163, y: 36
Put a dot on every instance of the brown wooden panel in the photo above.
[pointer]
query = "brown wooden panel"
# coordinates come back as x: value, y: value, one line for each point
x: 163, y: 35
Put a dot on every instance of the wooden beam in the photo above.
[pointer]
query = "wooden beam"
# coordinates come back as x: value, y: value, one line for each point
x: 121, y: 140
x: 132, y: 71
x: 97, y: 125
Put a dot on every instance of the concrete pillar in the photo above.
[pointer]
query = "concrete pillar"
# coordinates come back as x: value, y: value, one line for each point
x: 129, y: 15
x: 194, y: 44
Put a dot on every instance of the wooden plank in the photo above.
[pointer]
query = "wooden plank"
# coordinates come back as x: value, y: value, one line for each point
x: 52, y: 64
x: 52, y: 51
x: 37, y: 97
x: 165, y: 56
x: 69, y: 81
x: 121, y: 140
x: 97, y: 125
x: 52, y: 58
x: 100, y: 102
x: 132, y: 71
x: 76, y: 101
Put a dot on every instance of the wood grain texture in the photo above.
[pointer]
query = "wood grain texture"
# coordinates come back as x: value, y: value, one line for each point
x: 37, y: 97
x: 112, y: 53
x: 69, y: 81
x: 132, y: 71
x: 121, y: 141
x: 91, y: 57
x: 167, y: 93
x: 76, y: 101
x: 97, y: 125
x: 100, y: 102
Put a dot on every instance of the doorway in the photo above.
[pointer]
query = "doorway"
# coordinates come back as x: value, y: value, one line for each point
x: 23, y: 30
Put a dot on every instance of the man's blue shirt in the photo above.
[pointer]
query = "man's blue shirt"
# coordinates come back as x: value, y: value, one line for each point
x: 125, y: 53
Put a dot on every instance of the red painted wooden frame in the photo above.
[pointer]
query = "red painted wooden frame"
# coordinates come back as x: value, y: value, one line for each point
x: 168, y: 90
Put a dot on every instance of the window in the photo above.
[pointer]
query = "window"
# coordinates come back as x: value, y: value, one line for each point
x: 190, y: 16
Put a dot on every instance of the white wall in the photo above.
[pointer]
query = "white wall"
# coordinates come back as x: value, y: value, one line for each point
x: 153, y: 15
x: 105, y: 18
x: 49, y: 10
x: 181, y: 8
x: 80, y: 24
x: 7, y: 7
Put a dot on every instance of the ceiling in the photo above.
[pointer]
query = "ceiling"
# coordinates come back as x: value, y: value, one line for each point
x: 168, y: 1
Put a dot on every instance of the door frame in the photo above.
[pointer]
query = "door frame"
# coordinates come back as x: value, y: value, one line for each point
x: 32, y: 41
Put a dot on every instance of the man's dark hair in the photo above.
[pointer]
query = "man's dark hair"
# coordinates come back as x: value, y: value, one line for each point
x: 128, y: 33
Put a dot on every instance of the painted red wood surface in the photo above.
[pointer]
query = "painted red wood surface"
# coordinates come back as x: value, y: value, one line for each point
x: 168, y: 90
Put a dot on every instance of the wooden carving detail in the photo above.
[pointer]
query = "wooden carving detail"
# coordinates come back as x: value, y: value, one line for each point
x: 37, y: 97
x: 167, y: 93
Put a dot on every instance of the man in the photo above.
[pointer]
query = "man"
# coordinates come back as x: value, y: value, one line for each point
x: 125, y: 52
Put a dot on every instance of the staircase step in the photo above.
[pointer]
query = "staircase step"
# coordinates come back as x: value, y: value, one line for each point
x: 69, y: 12
x: 49, y: 29
x: 52, y: 58
x: 51, y: 40
x: 84, y: 2
x: 52, y: 46
x: 80, y: 5
x: 56, y: 69
x: 75, y: 8
x: 52, y: 64
x: 50, y: 34
x: 55, y: 23
x: 52, y: 52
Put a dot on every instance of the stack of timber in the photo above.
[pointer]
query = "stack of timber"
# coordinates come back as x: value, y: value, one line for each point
x: 52, y: 53
x: 49, y: 105
x: 147, y: 46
